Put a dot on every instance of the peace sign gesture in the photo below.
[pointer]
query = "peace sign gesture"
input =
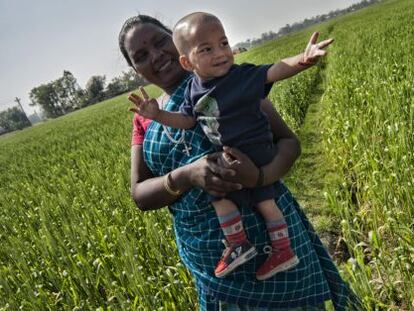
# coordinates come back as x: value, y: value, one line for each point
x: 144, y: 106
x: 314, y: 50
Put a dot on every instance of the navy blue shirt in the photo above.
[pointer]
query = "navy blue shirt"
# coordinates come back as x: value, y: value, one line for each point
x: 228, y: 107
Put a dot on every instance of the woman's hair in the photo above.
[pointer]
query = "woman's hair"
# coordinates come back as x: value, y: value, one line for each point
x: 132, y: 22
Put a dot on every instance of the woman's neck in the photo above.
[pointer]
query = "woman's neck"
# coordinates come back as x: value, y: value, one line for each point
x: 170, y: 90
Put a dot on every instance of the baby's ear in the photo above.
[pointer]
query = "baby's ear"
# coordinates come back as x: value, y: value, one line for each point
x: 185, y: 63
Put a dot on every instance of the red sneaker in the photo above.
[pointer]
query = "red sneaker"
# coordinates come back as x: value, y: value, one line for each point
x: 276, y: 262
x: 234, y: 256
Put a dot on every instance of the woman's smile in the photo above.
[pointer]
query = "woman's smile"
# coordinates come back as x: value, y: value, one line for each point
x: 164, y: 66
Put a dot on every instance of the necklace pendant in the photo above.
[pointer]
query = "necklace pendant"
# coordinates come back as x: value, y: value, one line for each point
x: 187, y: 149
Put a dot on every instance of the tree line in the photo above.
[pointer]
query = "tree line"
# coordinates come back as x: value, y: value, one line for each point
x: 13, y: 119
x: 270, y: 35
x: 64, y: 94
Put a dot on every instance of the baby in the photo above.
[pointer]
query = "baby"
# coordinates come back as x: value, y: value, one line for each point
x: 225, y: 99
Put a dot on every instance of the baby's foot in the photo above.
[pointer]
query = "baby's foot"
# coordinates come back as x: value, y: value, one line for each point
x: 278, y: 260
x: 234, y: 256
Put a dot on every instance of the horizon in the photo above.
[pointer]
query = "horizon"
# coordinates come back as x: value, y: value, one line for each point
x: 73, y: 50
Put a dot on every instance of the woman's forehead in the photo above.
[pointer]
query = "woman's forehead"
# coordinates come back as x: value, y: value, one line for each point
x: 142, y: 34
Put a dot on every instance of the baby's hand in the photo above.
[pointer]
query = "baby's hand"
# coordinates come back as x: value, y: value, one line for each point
x: 314, y: 50
x: 146, y: 107
x: 227, y: 160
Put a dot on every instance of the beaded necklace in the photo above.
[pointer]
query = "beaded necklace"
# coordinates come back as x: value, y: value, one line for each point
x: 180, y: 140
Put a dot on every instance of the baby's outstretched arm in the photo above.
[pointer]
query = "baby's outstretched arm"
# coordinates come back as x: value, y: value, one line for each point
x: 291, y: 66
x: 148, y: 108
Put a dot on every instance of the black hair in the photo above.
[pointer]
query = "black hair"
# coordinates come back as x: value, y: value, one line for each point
x: 132, y: 22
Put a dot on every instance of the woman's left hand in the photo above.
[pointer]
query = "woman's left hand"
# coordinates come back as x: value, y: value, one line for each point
x: 246, y: 171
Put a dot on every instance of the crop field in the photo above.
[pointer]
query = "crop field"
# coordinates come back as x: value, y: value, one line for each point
x: 369, y: 138
x: 72, y: 239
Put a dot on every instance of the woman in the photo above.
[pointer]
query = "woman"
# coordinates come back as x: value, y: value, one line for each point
x: 177, y: 168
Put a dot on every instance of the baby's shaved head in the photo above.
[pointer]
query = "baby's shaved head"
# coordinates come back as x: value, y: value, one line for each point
x: 187, y: 26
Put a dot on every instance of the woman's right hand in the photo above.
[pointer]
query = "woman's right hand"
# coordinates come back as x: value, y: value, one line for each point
x: 145, y: 106
x: 207, y: 173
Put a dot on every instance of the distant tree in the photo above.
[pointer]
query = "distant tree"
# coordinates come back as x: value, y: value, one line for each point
x: 128, y: 81
x: 57, y: 97
x: 132, y: 80
x: 284, y: 30
x: 67, y: 89
x: 114, y: 88
x: 13, y: 119
x: 45, y: 97
x: 94, y: 90
x: 267, y: 36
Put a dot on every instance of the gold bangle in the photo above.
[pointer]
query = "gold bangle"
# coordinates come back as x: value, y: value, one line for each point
x: 167, y: 186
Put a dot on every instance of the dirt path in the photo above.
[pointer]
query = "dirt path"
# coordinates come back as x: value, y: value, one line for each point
x: 312, y: 174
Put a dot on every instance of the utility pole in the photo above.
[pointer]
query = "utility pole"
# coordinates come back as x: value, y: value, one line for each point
x: 17, y: 100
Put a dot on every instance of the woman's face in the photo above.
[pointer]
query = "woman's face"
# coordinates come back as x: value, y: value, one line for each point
x: 153, y: 55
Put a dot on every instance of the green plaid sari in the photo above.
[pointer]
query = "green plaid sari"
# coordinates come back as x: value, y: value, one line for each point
x: 198, y: 236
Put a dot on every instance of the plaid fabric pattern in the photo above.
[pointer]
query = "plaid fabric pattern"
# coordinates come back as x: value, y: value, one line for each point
x: 314, y: 280
x: 224, y: 306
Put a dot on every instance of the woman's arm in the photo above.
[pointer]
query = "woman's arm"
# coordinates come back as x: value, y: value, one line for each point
x: 286, y: 144
x: 149, y: 192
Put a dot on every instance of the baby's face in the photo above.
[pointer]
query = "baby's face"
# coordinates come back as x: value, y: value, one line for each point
x: 210, y: 54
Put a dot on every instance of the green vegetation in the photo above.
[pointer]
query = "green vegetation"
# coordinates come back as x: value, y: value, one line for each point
x: 368, y: 121
x: 72, y: 239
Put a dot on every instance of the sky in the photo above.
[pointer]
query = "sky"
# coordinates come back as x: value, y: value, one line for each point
x: 39, y: 39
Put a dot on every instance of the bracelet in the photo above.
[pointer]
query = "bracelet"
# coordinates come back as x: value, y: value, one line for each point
x: 260, y: 178
x: 167, y: 186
